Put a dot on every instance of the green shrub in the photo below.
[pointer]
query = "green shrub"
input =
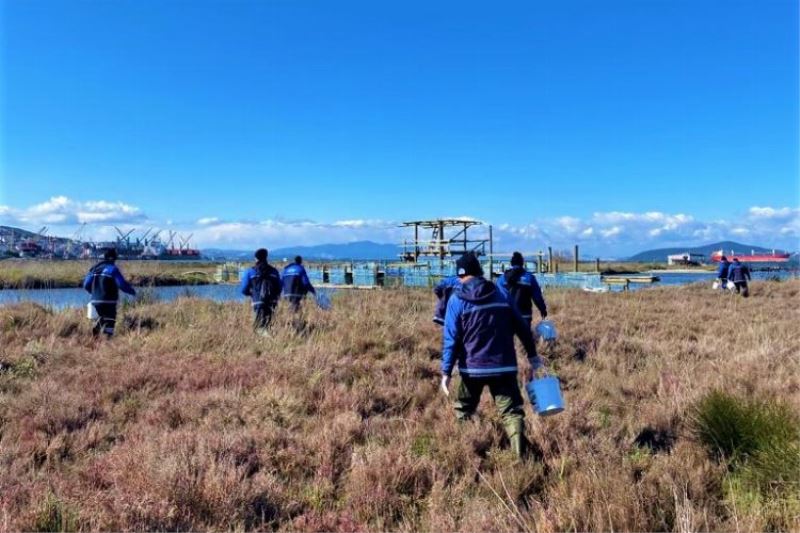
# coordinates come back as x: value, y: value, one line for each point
x: 760, y: 440
x: 735, y: 429
x: 55, y: 515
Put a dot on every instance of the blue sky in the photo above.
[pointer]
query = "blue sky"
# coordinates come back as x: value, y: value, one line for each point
x: 619, y: 125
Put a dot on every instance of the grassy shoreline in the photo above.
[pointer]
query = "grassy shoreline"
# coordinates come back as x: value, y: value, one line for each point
x: 187, y: 420
x: 43, y: 274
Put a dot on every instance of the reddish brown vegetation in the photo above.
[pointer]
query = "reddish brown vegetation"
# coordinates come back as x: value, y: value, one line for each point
x: 187, y: 420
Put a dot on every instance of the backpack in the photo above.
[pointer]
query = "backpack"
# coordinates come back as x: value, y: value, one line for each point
x: 512, y: 278
x: 262, y: 284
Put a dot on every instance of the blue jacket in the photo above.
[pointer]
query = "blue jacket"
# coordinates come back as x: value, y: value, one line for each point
x: 443, y: 290
x: 479, y: 330
x: 722, y: 271
x: 104, y: 281
x: 295, y: 282
x: 258, y: 276
x: 521, y: 287
x: 738, y: 272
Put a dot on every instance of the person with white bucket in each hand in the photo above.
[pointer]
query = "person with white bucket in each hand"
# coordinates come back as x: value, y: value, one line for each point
x: 480, y: 324
x: 739, y: 274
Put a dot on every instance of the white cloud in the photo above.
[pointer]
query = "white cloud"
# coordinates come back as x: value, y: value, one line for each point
x: 611, y: 232
x: 61, y: 211
x: 601, y: 233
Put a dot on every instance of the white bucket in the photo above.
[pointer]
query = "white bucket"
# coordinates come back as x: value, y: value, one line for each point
x: 91, y: 312
x: 730, y: 285
x: 715, y: 285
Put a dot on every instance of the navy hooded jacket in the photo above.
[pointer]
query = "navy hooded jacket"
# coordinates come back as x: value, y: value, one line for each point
x: 738, y: 272
x: 722, y: 271
x: 443, y: 290
x: 521, y: 287
x: 253, y: 276
x: 479, y: 330
x: 104, y: 281
x: 295, y: 282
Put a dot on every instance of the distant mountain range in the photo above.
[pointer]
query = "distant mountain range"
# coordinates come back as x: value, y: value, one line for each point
x: 357, y: 250
x: 660, y: 255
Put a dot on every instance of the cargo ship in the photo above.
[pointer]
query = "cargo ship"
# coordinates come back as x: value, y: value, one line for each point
x: 752, y: 257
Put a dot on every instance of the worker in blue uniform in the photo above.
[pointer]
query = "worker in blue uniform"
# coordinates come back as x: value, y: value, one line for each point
x: 104, y: 281
x: 739, y: 274
x: 521, y: 287
x: 443, y: 290
x: 262, y: 283
x: 479, y: 329
x: 722, y: 272
x: 296, y: 283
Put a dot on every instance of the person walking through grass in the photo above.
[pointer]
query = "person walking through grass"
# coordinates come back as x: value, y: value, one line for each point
x: 722, y: 272
x: 739, y: 274
x: 262, y: 284
x: 296, y: 283
x: 443, y: 290
x: 480, y: 324
x: 104, y: 281
x: 521, y: 287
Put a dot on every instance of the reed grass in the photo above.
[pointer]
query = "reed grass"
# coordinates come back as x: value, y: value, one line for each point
x: 188, y: 420
x: 42, y: 274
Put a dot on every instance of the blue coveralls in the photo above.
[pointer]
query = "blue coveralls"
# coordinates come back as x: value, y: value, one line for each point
x: 103, y: 282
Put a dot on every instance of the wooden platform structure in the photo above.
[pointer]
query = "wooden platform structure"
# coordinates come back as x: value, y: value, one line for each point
x: 441, y: 246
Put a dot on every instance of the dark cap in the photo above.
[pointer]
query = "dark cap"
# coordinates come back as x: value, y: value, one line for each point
x: 468, y: 265
x: 723, y: 258
x: 517, y: 259
x: 110, y: 254
x: 298, y: 260
x: 261, y: 254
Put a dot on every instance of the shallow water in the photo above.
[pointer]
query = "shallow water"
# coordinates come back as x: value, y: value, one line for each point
x: 65, y: 298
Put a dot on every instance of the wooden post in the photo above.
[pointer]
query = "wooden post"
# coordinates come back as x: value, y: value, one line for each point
x: 550, y: 259
x: 575, y: 259
x: 440, y: 244
x: 597, y: 264
x: 539, y: 265
x: 491, y: 254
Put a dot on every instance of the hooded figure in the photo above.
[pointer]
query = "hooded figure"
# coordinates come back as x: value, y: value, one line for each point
x: 479, y: 329
x: 262, y: 284
x: 296, y: 283
x: 103, y: 282
x: 521, y: 287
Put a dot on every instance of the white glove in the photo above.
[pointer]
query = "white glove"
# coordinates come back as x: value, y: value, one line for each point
x: 446, y: 385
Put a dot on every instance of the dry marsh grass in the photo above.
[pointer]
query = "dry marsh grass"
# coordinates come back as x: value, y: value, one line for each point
x: 42, y: 273
x: 188, y: 421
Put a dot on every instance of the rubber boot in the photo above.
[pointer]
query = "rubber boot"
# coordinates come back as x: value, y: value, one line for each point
x: 516, y: 436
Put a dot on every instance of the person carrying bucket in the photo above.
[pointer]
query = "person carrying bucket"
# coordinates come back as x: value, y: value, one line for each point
x: 443, y: 290
x: 480, y: 324
x: 103, y: 282
x: 722, y: 272
x: 739, y: 274
x: 262, y: 283
x: 296, y: 283
x: 521, y: 287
